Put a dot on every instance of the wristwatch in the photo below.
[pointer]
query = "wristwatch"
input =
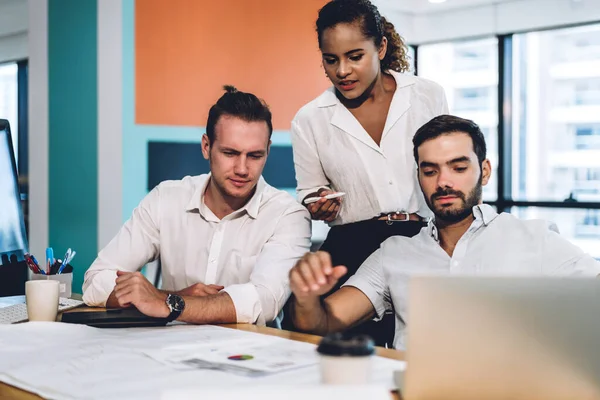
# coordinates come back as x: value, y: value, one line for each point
x: 176, y: 304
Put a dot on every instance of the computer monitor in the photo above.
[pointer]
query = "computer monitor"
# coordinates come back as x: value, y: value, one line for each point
x: 13, y: 238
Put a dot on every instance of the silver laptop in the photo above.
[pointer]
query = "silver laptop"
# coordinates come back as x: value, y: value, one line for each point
x: 503, y: 338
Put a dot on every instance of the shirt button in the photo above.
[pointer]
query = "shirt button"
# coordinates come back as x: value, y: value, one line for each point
x: 455, y: 263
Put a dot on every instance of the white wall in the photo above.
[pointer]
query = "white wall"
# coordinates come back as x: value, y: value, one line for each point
x: 13, y: 30
x: 403, y: 22
x: 423, y: 27
x: 110, y: 119
x: 506, y: 17
x: 38, y: 126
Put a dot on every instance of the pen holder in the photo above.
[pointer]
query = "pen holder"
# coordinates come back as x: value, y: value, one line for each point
x: 65, y: 282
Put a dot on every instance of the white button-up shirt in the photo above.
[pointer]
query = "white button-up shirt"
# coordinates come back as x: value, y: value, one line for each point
x: 250, y: 251
x: 332, y: 149
x: 494, y: 244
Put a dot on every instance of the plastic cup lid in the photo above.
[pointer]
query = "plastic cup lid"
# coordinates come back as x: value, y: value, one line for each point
x: 337, y: 344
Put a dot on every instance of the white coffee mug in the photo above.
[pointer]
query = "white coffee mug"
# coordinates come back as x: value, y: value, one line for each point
x: 346, y: 370
x: 42, y: 300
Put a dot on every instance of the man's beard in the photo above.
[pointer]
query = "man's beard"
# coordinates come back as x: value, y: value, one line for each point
x: 453, y: 215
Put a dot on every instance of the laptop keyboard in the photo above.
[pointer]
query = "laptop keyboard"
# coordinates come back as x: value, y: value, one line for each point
x: 18, y: 312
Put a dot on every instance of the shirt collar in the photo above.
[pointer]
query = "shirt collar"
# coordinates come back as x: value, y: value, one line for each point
x: 483, y: 213
x: 328, y: 98
x: 251, y: 207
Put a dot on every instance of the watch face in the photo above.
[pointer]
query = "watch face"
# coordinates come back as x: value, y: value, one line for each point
x: 176, y: 302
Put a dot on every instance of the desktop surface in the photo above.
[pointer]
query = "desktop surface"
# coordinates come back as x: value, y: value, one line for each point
x: 11, y: 392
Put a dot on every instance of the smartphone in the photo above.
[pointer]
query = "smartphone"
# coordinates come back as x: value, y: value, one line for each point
x: 329, y: 197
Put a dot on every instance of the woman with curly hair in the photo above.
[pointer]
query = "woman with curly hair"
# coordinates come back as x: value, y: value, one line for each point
x: 356, y: 138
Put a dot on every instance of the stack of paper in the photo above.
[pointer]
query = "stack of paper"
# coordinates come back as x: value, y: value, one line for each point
x: 69, y: 361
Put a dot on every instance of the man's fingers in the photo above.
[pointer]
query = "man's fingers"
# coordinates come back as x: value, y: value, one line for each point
x: 317, y: 271
x: 325, y: 261
x: 123, y: 276
x: 297, y: 282
x: 125, y: 300
x: 125, y: 282
x: 306, y: 271
x: 339, y: 271
x: 123, y: 295
x: 210, y: 290
x: 218, y: 287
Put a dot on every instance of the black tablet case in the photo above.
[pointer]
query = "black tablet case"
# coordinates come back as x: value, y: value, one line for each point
x: 113, y: 318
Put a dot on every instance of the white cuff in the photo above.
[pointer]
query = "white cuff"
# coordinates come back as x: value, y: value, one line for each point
x: 101, y: 285
x: 246, y: 302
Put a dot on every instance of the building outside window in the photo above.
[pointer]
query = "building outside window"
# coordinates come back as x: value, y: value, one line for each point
x: 468, y: 72
x: 9, y: 100
x: 556, y: 127
x: 553, y: 132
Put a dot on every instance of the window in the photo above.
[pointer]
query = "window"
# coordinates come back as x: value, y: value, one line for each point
x: 474, y: 56
x: 581, y: 44
x: 9, y: 100
x: 473, y: 99
x: 580, y: 226
x: 551, y: 120
x: 411, y: 60
x: 556, y: 114
x: 587, y: 136
x: 468, y: 72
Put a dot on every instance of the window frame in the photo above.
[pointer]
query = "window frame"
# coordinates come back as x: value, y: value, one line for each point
x: 504, y: 201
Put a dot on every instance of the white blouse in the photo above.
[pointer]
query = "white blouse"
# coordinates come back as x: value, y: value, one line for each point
x: 333, y: 150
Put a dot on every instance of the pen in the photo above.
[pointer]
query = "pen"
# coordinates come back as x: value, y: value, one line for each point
x: 66, y: 259
x: 30, y: 264
x: 37, y: 264
x: 49, y: 259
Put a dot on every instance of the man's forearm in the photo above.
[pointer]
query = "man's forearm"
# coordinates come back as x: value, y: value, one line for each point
x: 310, y: 316
x: 213, y: 309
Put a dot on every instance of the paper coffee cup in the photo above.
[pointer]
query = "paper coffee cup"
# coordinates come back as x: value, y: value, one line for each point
x: 346, y: 360
x: 42, y: 300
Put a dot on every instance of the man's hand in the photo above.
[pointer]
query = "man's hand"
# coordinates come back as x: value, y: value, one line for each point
x: 200, y: 290
x: 313, y: 276
x: 132, y: 288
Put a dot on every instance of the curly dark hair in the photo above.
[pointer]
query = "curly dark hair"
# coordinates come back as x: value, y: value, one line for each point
x: 373, y: 26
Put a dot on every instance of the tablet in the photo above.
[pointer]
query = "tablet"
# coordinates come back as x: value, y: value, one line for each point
x: 113, y: 318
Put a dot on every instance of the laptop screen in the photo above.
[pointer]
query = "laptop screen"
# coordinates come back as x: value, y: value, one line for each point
x: 13, y: 238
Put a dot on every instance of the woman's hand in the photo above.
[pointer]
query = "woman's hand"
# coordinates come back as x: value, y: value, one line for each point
x: 324, y: 209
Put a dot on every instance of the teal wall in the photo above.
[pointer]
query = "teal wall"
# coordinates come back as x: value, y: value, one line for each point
x: 73, y: 131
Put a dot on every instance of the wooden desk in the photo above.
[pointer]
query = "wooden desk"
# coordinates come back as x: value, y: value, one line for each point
x: 11, y: 392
